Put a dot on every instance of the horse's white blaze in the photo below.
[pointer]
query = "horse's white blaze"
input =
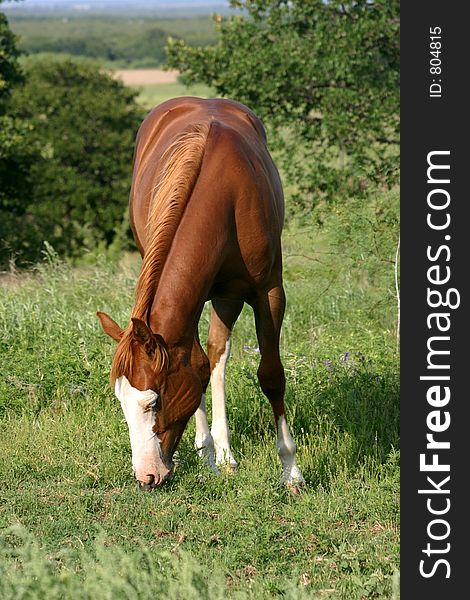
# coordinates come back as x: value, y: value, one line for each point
x: 203, y: 441
x: 286, y: 449
x: 137, y: 407
x: 219, y: 430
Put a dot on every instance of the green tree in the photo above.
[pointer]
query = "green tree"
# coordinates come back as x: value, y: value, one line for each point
x: 324, y: 77
x: 150, y: 45
x: 9, y: 69
x: 82, y: 130
x: 16, y: 154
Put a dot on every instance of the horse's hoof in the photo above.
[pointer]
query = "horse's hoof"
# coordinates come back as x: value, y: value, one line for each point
x: 229, y: 468
x: 295, y: 489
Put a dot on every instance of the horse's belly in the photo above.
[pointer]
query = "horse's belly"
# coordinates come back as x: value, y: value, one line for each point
x: 232, y: 289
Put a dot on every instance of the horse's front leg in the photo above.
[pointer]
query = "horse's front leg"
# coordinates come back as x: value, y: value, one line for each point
x: 203, y: 441
x: 224, y: 314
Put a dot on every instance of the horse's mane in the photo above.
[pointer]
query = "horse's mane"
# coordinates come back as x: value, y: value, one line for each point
x: 182, y: 163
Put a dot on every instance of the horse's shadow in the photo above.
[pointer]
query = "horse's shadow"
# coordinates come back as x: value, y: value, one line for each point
x: 344, y: 418
x: 353, y: 421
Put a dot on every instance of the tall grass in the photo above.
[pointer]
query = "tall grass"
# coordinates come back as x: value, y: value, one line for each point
x: 81, y: 529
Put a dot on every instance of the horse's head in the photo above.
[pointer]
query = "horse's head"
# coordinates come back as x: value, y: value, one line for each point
x: 157, y: 397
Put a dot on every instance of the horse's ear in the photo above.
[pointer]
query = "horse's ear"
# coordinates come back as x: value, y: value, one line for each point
x: 141, y: 332
x: 109, y: 326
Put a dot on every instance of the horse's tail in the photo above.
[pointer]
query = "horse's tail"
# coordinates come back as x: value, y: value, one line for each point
x: 182, y: 163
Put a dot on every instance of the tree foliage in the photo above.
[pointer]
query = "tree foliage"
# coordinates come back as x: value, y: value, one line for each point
x: 324, y: 76
x: 124, y: 40
x: 82, y: 126
x: 15, y: 151
x: 149, y: 46
x: 9, y: 69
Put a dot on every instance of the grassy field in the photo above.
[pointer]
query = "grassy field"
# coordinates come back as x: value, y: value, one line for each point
x: 151, y: 95
x: 74, y: 524
x: 155, y: 86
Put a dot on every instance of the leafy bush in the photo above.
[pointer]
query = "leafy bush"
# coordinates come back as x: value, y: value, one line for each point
x: 15, y: 152
x: 9, y: 68
x: 82, y: 129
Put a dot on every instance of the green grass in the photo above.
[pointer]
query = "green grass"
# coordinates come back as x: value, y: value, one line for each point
x: 76, y: 526
x: 151, y: 95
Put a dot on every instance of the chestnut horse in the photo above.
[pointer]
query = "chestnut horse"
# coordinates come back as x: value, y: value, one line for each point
x: 206, y: 210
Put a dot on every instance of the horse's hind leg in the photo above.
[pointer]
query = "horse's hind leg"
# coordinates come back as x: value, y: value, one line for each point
x: 223, y: 316
x: 269, y: 312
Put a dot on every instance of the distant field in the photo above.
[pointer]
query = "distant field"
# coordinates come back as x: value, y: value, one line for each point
x: 151, y: 95
x: 156, y: 85
x: 145, y: 76
x: 196, y: 30
x: 133, y: 48
x: 120, y: 42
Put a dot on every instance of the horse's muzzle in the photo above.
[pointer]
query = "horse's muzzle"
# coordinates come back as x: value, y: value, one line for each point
x: 154, y: 482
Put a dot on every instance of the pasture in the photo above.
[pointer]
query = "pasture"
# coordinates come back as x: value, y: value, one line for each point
x: 155, y: 86
x: 74, y: 524
x: 152, y: 94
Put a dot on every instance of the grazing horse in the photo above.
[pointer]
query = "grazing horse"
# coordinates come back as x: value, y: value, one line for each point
x: 206, y: 209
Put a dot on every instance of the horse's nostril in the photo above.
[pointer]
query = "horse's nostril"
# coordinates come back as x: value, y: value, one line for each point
x: 148, y: 483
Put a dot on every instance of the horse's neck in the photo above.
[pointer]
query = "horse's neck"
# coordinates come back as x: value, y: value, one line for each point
x: 175, y: 311
x: 188, y: 275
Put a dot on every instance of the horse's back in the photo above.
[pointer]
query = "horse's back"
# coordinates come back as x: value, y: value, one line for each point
x: 175, y: 114
x: 237, y: 202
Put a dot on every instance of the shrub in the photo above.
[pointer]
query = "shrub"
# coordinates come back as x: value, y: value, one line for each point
x: 82, y: 128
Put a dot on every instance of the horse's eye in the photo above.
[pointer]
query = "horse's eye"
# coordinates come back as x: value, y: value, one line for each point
x: 155, y: 405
